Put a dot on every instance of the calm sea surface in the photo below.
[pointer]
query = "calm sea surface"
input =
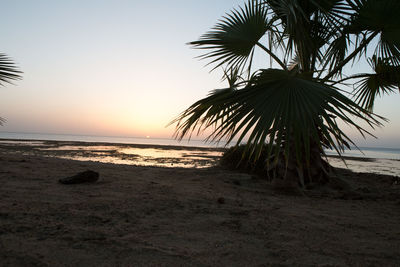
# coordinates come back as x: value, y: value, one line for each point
x: 107, y: 139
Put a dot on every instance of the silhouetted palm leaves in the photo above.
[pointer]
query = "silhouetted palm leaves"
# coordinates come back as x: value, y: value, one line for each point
x: 298, y: 105
x: 386, y: 79
x: 8, y: 73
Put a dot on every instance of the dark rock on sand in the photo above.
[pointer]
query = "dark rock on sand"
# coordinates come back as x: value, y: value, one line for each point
x: 237, y: 182
x: 82, y: 177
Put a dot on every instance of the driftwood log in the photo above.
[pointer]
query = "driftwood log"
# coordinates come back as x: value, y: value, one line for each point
x: 82, y: 177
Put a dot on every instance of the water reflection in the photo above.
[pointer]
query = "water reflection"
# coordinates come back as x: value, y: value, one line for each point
x: 150, y: 157
x: 22, y: 143
x: 143, y: 155
x: 379, y: 166
x: 85, y: 148
x: 169, y: 153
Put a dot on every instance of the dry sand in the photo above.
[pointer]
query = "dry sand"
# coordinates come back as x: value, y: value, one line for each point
x: 151, y: 216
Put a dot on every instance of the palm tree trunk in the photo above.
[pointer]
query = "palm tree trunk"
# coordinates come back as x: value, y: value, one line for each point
x: 288, y: 173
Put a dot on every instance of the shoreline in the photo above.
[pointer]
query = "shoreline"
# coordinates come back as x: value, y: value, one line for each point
x: 96, y: 143
x: 139, y: 215
x: 167, y: 155
x: 117, y: 153
x: 167, y: 147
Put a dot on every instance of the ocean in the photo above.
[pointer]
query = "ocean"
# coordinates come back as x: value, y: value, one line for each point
x: 108, y: 139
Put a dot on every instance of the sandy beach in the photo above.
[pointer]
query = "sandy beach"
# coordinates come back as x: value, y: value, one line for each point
x: 157, y: 216
x: 200, y: 133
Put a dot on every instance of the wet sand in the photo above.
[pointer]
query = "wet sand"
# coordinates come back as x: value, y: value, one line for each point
x: 157, y: 216
x: 117, y: 153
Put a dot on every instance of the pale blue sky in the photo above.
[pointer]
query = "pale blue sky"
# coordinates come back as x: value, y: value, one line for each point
x: 117, y: 67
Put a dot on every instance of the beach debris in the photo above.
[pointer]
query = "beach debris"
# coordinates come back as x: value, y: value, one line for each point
x: 82, y: 177
x: 237, y: 182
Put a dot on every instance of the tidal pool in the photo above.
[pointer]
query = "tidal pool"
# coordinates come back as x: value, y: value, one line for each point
x: 142, y: 155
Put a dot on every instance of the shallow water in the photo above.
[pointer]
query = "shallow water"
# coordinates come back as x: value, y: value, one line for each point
x: 369, y: 152
x: 72, y: 148
x: 379, y: 166
x: 109, y: 139
x: 23, y: 143
x: 161, y: 156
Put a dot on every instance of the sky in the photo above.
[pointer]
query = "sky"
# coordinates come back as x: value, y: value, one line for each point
x: 118, y: 68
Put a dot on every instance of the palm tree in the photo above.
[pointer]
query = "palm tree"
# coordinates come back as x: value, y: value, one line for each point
x: 294, y: 103
x: 8, y: 73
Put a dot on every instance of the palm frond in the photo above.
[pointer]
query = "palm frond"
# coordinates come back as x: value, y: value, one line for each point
x: 385, y: 80
x: 8, y: 70
x: 309, y: 26
x: 232, y: 76
x: 279, y: 106
x: 233, y: 39
x: 8, y: 73
x: 380, y: 16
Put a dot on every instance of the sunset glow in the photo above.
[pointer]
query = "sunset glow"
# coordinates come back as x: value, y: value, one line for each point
x: 118, y: 68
